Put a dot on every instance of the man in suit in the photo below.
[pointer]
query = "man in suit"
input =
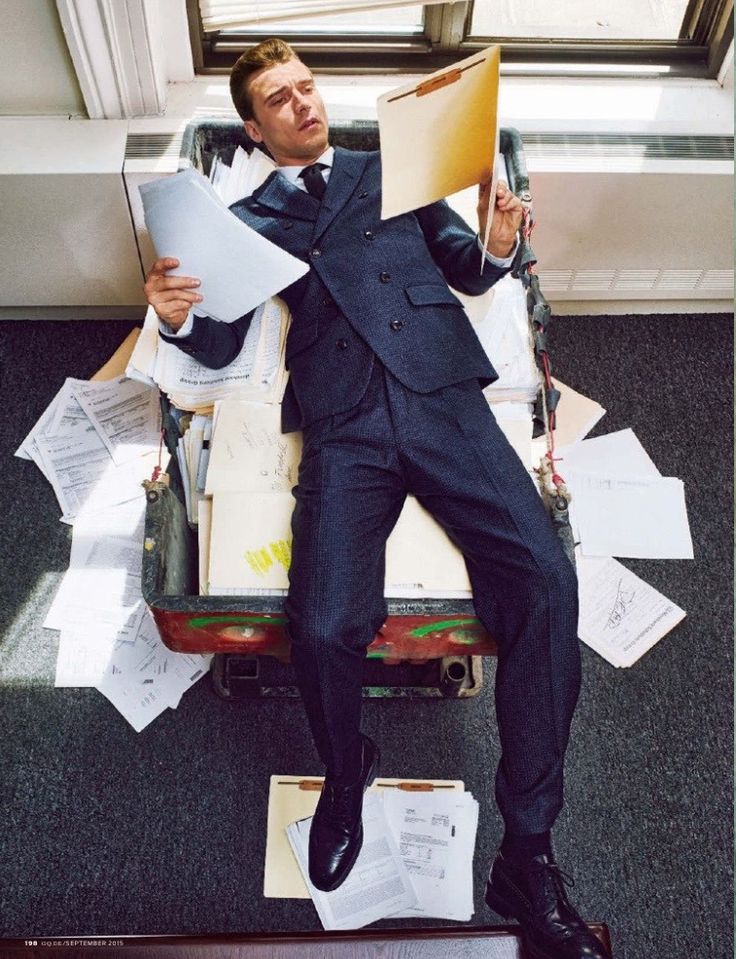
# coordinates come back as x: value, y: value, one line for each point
x: 385, y: 383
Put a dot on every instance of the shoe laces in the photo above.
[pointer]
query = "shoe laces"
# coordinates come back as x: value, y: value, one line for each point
x: 555, y: 880
x: 339, y: 804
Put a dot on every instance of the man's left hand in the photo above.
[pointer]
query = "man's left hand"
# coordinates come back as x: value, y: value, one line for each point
x: 506, y: 220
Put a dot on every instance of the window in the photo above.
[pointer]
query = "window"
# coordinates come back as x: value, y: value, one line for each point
x: 661, y: 37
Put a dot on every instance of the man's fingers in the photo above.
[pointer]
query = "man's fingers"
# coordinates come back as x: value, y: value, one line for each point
x: 176, y: 282
x: 164, y: 263
x: 173, y: 296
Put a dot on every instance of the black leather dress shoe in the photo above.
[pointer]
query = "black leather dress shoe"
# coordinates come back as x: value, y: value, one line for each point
x: 336, y: 834
x: 535, y: 896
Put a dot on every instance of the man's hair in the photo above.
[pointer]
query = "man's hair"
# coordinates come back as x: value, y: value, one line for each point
x: 267, y: 54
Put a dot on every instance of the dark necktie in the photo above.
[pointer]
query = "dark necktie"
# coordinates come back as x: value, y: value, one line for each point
x: 313, y: 179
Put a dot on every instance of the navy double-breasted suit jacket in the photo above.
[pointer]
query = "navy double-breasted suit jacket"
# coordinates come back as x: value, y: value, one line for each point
x: 375, y: 289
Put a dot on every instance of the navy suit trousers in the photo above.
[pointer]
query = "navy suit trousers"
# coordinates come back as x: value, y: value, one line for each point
x: 446, y: 448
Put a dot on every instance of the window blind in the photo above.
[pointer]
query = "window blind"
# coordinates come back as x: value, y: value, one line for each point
x: 241, y: 14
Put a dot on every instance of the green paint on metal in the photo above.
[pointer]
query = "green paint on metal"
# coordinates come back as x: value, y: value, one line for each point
x: 421, y: 631
x: 198, y: 622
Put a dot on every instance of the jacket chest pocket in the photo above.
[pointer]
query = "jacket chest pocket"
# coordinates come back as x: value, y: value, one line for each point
x: 431, y: 294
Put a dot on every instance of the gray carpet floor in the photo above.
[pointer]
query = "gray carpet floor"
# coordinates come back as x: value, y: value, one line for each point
x: 105, y: 831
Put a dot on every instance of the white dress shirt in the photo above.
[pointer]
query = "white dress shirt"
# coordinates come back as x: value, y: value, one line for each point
x: 292, y: 174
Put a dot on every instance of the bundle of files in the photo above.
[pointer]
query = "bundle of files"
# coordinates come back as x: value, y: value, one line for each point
x: 416, y: 859
x: 96, y: 443
x: 244, y: 517
x: 257, y: 373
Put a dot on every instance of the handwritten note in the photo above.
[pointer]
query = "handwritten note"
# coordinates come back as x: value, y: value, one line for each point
x: 621, y: 616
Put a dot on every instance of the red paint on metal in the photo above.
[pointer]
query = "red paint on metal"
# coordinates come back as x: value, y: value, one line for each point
x: 232, y: 633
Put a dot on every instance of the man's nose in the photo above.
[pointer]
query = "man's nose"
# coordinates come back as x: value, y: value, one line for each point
x: 300, y: 101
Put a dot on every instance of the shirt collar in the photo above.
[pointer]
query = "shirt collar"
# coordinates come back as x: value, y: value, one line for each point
x: 292, y: 172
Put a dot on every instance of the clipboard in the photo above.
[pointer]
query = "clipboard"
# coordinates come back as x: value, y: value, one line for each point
x: 441, y: 135
x: 295, y: 797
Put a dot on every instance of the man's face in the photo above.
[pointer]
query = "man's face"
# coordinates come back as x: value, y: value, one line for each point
x: 288, y: 114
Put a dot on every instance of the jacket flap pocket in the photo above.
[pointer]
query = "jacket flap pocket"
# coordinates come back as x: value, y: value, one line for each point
x: 428, y: 294
x: 299, y: 338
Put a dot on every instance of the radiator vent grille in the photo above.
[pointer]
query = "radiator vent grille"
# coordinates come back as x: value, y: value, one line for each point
x: 624, y: 145
x: 142, y: 146
x: 662, y: 282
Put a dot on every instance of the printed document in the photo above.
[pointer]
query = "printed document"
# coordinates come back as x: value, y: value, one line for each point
x: 435, y: 833
x: 378, y: 884
x: 621, y: 616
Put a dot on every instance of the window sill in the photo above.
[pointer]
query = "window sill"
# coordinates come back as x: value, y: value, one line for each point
x: 672, y: 106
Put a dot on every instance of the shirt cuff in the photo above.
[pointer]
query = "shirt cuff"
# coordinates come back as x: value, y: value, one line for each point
x: 501, y: 262
x: 184, y: 330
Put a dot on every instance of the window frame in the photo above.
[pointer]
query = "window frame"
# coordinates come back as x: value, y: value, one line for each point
x: 705, y: 36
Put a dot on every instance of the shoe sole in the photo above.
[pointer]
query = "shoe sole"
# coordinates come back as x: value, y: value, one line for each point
x: 372, y: 773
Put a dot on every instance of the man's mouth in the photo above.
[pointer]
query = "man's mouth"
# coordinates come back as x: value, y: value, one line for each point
x: 312, y: 121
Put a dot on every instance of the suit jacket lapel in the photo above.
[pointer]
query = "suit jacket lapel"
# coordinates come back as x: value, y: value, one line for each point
x: 277, y: 193
x: 347, y: 167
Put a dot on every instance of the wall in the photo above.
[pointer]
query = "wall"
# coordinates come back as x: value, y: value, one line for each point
x: 36, y: 72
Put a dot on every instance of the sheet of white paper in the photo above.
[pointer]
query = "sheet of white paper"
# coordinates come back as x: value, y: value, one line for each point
x: 87, y: 647
x: 125, y: 413
x: 613, y: 454
x: 102, y: 586
x: 143, y: 678
x: 621, y: 616
x: 421, y: 559
x: 187, y: 220
x: 435, y: 833
x: 378, y: 884
x: 74, y: 463
x: 576, y: 415
x: 59, y: 416
x: 630, y: 517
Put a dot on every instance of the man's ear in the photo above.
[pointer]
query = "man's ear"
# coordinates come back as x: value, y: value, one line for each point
x: 251, y: 128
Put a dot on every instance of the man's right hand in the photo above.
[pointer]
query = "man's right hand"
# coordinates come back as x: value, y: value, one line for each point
x: 171, y: 296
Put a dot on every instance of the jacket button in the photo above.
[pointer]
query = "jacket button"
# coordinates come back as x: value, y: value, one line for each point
x: 315, y: 253
x: 368, y: 234
x: 385, y: 277
x: 287, y: 224
x: 363, y: 195
x: 342, y: 344
x: 396, y: 324
x: 328, y: 301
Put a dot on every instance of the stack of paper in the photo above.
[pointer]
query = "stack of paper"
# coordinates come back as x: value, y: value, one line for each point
x: 416, y: 860
x: 246, y: 174
x: 505, y: 335
x: 96, y: 442
x: 192, y: 453
x: 257, y: 373
x: 622, y: 505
